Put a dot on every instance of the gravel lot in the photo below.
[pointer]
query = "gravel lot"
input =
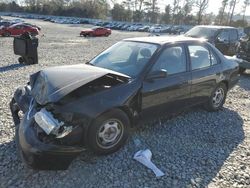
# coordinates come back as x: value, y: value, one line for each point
x: 194, y: 149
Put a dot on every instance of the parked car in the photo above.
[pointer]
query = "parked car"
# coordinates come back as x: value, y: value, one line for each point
x: 5, y: 23
x: 243, y: 53
x: 222, y: 37
x: 32, y: 25
x: 70, y: 108
x: 18, y: 29
x: 96, y: 31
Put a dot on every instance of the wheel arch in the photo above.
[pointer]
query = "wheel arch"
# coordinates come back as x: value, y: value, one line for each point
x: 225, y: 82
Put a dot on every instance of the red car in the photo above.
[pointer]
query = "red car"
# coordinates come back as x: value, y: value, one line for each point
x: 96, y: 31
x: 18, y: 29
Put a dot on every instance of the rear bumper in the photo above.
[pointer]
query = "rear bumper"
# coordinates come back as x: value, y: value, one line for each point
x: 34, y: 152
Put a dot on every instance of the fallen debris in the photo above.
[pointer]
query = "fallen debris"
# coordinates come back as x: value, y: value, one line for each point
x: 144, y: 157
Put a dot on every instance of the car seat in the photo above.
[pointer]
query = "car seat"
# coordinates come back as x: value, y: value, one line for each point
x: 146, y: 54
x: 200, y: 59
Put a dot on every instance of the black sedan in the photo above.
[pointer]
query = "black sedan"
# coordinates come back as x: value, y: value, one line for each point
x: 70, y: 108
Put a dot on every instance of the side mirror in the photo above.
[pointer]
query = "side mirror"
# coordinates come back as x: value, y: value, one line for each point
x: 157, y: 74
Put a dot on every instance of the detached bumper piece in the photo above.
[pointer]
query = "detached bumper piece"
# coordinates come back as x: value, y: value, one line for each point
x: 37, y: 153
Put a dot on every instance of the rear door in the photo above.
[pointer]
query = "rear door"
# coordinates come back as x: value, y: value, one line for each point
x: 170, y: 94
x: 206, y: 70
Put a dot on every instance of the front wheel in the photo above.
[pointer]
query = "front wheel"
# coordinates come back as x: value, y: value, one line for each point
x: 109, y: 132
x: 217, y: 98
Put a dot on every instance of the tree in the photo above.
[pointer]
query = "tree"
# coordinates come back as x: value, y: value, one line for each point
x: 222, y: 11
x: 151, y: 10
x: 175, y: 10
x: 246, y: 4
x: 202, y: 5
x: 232, y: 13
x: 120, y: 13
x: 166, y: 18
x: 186, y: 11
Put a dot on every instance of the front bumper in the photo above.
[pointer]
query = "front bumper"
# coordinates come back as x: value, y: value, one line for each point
x: 35, y: 153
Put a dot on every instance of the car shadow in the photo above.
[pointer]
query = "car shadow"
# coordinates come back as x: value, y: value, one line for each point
x: 11, y: 67
x: 194, y: 144
x: 190, y: 148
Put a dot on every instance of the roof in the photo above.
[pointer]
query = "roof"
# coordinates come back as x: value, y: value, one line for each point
x: 164, y: 39
x: 216, y: 26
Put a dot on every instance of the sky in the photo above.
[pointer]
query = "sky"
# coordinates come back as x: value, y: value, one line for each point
x: 213, y: 6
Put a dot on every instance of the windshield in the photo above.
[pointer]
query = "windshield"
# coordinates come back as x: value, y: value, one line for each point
x: 201, y: 32
x: 125, y: 57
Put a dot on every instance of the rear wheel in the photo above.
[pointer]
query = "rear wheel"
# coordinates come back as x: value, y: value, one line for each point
x: 217, y: 98
x: 21, y: 60
x: 109, y: 132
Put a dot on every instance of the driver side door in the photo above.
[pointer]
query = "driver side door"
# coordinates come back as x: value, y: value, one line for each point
x: 223, y: 41
x: 170, y: 94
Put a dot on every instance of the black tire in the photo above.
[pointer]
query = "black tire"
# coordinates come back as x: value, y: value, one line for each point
x: 107, y: 34
x: 212, y: 105
x: 21, y: 60
x: 242, y: 70
x: 97, y: 143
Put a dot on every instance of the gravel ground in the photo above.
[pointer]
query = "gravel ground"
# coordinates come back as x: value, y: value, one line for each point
x: 194, y: 149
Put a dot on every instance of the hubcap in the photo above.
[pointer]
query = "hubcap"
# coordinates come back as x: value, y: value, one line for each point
x: 109, y: 133
x: 218, y: 97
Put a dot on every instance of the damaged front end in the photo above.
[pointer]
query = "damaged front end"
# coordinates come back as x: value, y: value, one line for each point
x: 49, y: 133
x: 43, y: 141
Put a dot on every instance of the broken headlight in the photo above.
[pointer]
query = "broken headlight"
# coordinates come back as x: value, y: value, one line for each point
x: 50, y: 125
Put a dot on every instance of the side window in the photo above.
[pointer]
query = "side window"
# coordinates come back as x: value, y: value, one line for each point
x: 172, y: 59
x: 233, y: 35
x: 223, y: 36
x: 199, y: 56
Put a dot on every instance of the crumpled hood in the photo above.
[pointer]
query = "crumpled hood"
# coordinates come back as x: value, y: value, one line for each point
x: 51, y: 84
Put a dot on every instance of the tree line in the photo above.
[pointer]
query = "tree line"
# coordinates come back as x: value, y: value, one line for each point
x: 179, y: 12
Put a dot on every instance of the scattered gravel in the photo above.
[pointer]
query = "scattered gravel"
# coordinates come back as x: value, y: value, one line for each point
x: 194, y: 149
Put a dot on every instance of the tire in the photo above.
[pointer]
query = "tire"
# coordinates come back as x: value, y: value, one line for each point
x: 21, y: 60
x: 100, y: 140
x: 242, y: 70
x: 107, y: 34
x: 216, y: 103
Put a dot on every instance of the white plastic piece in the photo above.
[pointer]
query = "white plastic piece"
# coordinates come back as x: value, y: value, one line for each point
x: 144, y: 157
x: 47, y: 122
